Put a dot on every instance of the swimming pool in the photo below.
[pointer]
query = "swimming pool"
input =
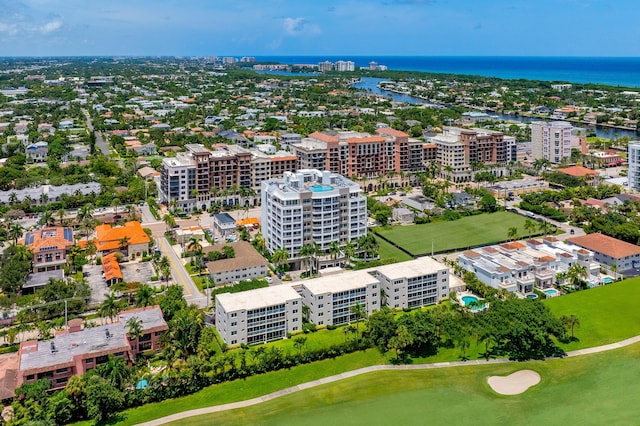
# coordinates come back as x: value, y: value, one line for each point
x: 551, y: 292
x: 607, y: 280
x: 532, y: 296
x: 320, y: 188
x: 468, y: 299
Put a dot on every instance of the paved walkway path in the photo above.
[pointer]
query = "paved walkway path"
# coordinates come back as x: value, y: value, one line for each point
x: 365, y: 370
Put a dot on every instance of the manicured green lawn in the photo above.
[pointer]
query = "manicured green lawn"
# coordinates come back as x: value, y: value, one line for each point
x: 391, y: 254
x: 251, y: 387
x: 588, y: 390
x: 607, y: 314
x: 460, y: 234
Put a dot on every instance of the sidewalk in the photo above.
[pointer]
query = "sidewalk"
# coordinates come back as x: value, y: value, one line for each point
x: 365, y: 370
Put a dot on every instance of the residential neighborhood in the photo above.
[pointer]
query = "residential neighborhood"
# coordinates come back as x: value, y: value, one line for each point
x: 172, y: 224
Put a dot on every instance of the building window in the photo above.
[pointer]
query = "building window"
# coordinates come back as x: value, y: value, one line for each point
x: 233, y: 324
x: 62, y: 370
x: 30, y: 377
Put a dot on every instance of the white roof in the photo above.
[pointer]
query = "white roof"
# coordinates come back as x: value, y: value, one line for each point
x: 412, y: 268
x: 340, y: 282
x: 258, y: 298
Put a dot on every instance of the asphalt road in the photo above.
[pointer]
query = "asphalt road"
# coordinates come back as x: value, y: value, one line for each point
x: 100, y: 143
x: 180, y: 275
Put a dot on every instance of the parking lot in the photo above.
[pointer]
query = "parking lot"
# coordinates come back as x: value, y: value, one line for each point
x: 99, y: 289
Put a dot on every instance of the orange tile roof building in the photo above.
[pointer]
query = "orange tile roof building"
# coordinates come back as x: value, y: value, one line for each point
x: 109, y: 239
x: 591, y: 177
x: 49, y: 247
x: 111, y: 269
x: 609, y: 251
x: 78, y: 350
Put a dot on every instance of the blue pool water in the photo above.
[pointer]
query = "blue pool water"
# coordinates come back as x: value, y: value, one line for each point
x: 532, y: 296
x: 320, y: 188
x: 607, y: 280
x: 551, y: 291
x: 468, y: 299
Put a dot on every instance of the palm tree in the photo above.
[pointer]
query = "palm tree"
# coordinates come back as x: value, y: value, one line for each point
x: 512, y: 233
x: 91, y: 249
x: 349, y: 250
x: 124, y: 244
x: 309, y: 251
x: 334, y: 249
x: 145, y: 296
x: 169, y: 220
x: 61, y: 213
x: 46, y: 219
x: 280, y: 257
x: 614, y: 269
x: 115, y: 203
x: 368, y: 245
x: 194, y: 245
x: 543, y: 227
x: 259, y: 242
x: 13, y: 198
x: 576, y: 275
x: 358, y: 310
x: 110, y: 307
x: 86, y: 212
x: 165, y: 267
x: 15, y: 232
x: 134, y: 328
x: 529, y: 226
x: 570, y: 322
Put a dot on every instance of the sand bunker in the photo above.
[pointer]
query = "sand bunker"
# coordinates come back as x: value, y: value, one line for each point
x: 515, y: 383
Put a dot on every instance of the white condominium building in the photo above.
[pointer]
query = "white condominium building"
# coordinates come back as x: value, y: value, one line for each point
x: 524, y: 266
x: 258, y: 316
x: 551, y: 141
x: 311, y: 206
x: 634, y: 165
x: 331, y: 298
x: 415, y: 283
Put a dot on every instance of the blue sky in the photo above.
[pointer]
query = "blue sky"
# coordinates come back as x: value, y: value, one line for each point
x: 320, y: 27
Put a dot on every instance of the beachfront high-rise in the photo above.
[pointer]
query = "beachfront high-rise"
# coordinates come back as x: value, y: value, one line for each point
x: 551, y: 141
x: 311, y: 206
x: 633, y: 158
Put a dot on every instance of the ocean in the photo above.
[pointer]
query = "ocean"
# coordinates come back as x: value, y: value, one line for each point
x: 610, y: 71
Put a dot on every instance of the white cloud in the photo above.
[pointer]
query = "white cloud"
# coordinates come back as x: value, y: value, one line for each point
x: 299, y: 26
x: 10, y: 29
x: 51, y: 26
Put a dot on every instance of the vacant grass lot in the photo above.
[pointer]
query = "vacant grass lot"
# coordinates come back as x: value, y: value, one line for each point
x: 391, y: 254
x: 607, y: 314
x: 588, y: 390
x: 459, y: 234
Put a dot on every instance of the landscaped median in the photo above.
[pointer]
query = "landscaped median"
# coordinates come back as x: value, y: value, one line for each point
x: 606, y: 314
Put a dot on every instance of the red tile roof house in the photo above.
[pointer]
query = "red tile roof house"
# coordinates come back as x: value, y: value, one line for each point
x: 77, y: 350
x: 609, y: 250
x: 49, y: 247
x: 109, y: 239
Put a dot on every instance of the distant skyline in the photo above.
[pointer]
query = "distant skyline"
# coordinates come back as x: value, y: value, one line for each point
x: 322, y: 27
